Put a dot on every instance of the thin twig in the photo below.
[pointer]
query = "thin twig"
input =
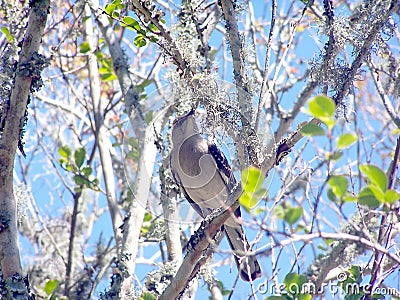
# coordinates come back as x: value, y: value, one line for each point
x: 264, y: 86
x: 333, y: 236
x: 385, y: 99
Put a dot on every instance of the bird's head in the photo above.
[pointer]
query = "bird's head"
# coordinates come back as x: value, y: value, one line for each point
x: 184, y: 127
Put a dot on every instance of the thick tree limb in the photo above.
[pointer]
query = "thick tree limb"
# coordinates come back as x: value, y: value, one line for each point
x: 251, y: 142
x: 365, y: 49
x: 10, y: 136
x: 9, y: 253
x: 199, y: 242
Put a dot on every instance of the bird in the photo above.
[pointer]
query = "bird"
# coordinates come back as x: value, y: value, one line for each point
x: 206, y: 179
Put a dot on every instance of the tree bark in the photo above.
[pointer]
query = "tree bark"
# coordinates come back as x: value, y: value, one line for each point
x: 9, y: 250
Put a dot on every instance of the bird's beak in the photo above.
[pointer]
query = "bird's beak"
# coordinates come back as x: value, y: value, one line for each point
x: 190, y: 113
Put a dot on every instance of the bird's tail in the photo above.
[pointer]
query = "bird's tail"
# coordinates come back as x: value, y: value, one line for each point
x: 247, y: 265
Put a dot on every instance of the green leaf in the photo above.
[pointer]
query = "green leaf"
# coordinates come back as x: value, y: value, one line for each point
x: 353, y: 277
x: 99, y: 55
x: 140, y: 87
x: 95, y: 182
x: 355, y: 273
x: 7, y: 33
x: 65, y: 151
x: 349, y: 198
x: 331, y: 195
x: 375, y: 175
x: 294, y: 283
x: 106, y: 65
x: 129, y: 20
x: 147, y: 296
x: 153, y: 27
x: 276, y: 298
x: 312, y: 130
x: 248, y: 201
x: 292, y: 214
x: 379, y: 195
x: 140, y: 41
x: 108, y: 77
x: 81, y: 181
x: 377, y: 296
x: 63, y: 160
x: 147, y: 217
x: 132, y: 23
x: 334, y: 156
x: 110, y: 8
x: 322, y: 108
x: 304, y: 297
x: 252, y: 179
x: 79, y: 156
x: 153, y: 39
x: 346, y: 140
x: 367, y: 197
x: 149, y: 116
x: 339, y: 185
x: 87, y: 171
x: 84, y: 47
x: 106, y: 70
x: 391, y: 196
x: 50, y: 286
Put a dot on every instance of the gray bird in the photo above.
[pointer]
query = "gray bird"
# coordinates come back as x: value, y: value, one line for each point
x: 205, y: 178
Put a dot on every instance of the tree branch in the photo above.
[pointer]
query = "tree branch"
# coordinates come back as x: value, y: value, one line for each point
x: 27, y: 69
x: 198, y: 243
x: 365, y: 50
x: 102, y: 140
x: 385, y: 99
x: 334, y: 236
x: 251, y: 142
x: 264, y: 93
x: 9, y: 253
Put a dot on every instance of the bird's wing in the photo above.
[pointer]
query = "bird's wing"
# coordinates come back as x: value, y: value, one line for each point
x: 178, y: 181
x: 224, y: 167
x: 222, y: 163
